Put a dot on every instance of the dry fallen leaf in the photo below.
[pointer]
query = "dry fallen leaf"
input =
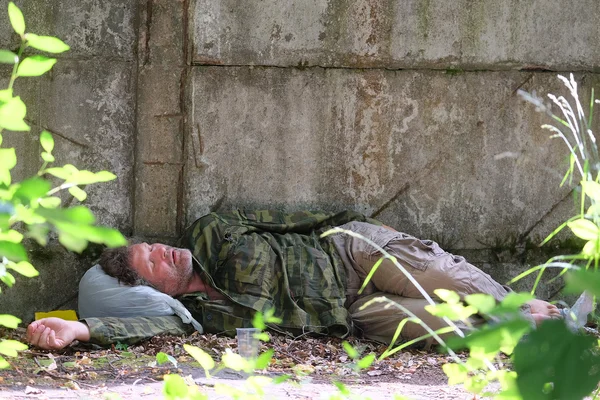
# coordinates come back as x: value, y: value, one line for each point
x: 374, y: 373
x: 32, y: 390
x: 71, y: 385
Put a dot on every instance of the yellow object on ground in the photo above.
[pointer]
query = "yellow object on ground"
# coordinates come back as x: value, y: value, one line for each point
x: 69, y: 315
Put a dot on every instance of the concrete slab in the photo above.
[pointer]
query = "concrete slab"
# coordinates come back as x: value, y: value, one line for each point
x: 455, y: 158
x: 92, y: 28
x: 488, y: 34
x: 90, y: 110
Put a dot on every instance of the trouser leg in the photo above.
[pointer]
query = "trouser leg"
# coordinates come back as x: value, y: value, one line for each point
x: 379, y: 320
x: 429, y: 265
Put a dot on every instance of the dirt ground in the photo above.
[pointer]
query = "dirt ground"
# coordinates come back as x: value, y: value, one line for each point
x: 90, y: 372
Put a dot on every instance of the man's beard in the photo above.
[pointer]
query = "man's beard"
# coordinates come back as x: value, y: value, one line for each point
x: 183, y: 271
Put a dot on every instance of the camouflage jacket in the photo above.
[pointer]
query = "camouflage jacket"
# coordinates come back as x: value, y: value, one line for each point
x: 258, y: 260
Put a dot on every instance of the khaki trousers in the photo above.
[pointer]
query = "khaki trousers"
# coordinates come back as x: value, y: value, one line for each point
x: 428, y: 264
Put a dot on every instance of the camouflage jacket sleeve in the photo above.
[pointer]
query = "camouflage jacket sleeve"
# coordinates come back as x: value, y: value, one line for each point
x: 109, y: 330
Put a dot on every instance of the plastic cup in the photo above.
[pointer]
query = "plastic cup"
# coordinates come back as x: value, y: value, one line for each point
x: 247, y: 343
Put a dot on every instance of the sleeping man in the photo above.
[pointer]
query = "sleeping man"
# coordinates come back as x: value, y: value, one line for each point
x: 231, y: 265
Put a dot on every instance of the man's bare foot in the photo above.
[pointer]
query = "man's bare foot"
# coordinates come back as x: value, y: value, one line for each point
x: 542, y: 310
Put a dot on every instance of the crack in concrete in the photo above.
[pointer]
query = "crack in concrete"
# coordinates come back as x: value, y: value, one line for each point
x: 162, y: 163
x: 524, y: 235
x: 426, y: 171
x: 55, y: 133
x: 149, y: 5
x: 464, y: 69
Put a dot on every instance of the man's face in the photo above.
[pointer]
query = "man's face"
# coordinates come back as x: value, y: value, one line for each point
x: 168, y: 269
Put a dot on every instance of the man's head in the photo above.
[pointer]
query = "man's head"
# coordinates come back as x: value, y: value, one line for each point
x: 166, y: 268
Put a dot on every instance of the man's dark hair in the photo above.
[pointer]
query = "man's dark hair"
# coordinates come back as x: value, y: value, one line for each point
x: 116, y: 263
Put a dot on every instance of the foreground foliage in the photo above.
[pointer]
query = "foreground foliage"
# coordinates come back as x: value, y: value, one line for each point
x: 31, y: 208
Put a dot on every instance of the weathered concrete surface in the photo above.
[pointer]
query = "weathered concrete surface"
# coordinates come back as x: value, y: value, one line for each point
x: 88, y: 103
x: 456, y: 158
x: 93, y: 28
x: 465, y: 34
x: 56, y: 287
x: 160, y: 118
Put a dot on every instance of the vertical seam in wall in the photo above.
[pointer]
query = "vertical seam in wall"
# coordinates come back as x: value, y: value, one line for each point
x: 185, y: 8
x: 138, y: 28
x: 149, y: 6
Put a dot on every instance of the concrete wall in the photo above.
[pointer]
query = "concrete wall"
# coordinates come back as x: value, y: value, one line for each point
x: 88, y: 102
x: 403, y: 110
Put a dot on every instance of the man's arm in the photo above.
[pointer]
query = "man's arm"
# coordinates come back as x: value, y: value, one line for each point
x: 56, y: 333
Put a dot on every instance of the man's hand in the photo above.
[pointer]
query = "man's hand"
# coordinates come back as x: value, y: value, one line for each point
x: 56, y: 333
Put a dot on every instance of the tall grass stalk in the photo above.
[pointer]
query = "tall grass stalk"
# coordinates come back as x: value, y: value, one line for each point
x: 574, y: 128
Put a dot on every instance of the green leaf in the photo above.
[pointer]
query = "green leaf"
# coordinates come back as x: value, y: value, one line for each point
x: 366, y: 361
x: 484, y: 303
x: 456, y: 373
x: 342, y: 388
x: 512, y: 303
x: 49, y: 158
x: 590, y: 249
x: 59, y: 172
x: 8, y: 279
x: 50, y: 202
x: 38, y: 232
x: 351, y: 351
x: 16, y: 18
x: 35, y: 66
x: 77, y: 215
x: 8, y: 57
x: 11, y: 236
x: 162, y: 358
x: 489, y: 340
x: 203, y: 358
x: 12, y: 114
x: 105, y: 176
x: 262, y: 336
x: 258, y: 321
x: 31, y: 189
x: 72, y: 242
x: 584, y: 229
x: 236, y: 362
x: 448, y: 296
x: 3, y: 363
x: 47, y: 141
x: 582, y: 280
x: 13, y: 251
x: 5, y: 177
x: 9, y: 321
x: 95, y: 234
x: 475, y: 384
x: 24, y: 268
x: 48, y: 44
x: 552, y: 353
x: 78, y: 193
x: 6, y: 95
x: 174, y: 387
x: 454, y: 311
x: 591, y: 189
x: 264, y: 360
x: 8, y: 158
x: 84, y: 177
x: 281, y: 378
x: 10, y: 347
